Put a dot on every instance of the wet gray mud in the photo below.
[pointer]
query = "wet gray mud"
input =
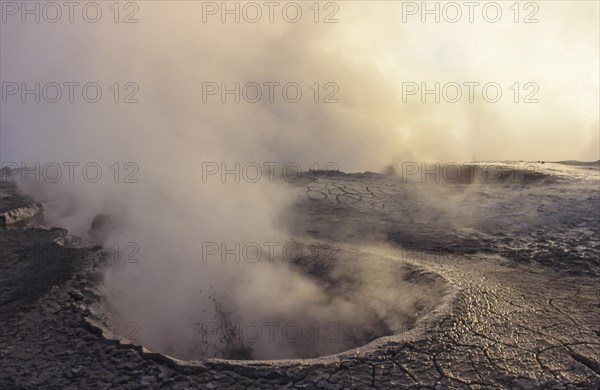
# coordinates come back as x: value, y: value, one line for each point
x: 513, y: 266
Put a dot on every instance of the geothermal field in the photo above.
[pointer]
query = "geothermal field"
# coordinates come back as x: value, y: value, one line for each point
x: 389, y: 288
x: 311, y: 195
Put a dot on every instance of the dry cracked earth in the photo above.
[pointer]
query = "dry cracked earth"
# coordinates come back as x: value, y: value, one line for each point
x: 518, y: 256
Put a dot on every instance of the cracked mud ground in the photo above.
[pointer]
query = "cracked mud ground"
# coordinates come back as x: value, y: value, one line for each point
x: 522, y: 257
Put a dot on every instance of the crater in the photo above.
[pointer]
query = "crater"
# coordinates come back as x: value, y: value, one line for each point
x: 366, y: 293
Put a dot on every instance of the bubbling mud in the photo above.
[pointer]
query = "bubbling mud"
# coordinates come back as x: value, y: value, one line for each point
x: 358, y: 295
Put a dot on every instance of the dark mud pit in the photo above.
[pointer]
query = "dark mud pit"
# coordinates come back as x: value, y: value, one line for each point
x: 358, y: 309
x: 504, y: 274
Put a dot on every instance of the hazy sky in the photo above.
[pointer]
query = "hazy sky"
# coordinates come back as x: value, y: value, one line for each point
x: 368, y: 55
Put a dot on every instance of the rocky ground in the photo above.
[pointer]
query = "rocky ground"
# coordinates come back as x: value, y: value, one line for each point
x: 519, y: 258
